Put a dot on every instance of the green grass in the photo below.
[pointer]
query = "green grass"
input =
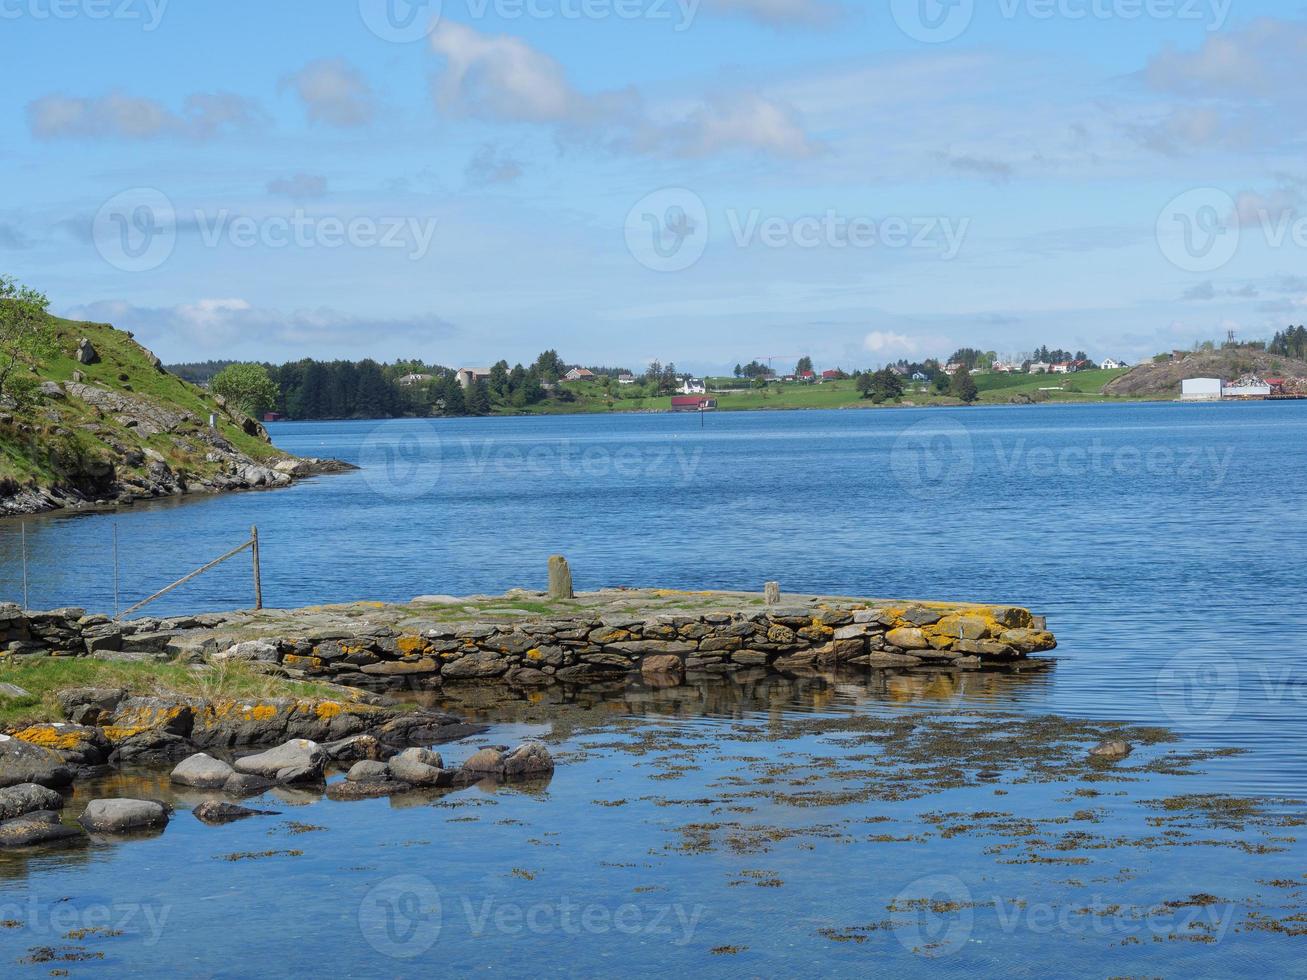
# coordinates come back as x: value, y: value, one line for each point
x: 52, y: 445
x: 591, y: 397
x: 44, y: 676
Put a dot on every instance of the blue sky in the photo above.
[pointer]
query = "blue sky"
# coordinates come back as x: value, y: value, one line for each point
x: 702, y: 181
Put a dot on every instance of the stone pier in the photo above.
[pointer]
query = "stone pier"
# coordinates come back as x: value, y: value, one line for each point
x: 531, y: 639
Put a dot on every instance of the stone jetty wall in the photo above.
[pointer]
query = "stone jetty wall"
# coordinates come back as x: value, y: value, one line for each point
x: 594, y: 637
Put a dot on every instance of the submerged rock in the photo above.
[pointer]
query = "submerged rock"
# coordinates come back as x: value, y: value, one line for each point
x: 487, y: 761
x: 202, y: 771
x: 1111, y: 750
x: 421, y: 767
x: 368, y: 771
x: 247, y: 784
x: 216, y: 811
x: 122, y: 816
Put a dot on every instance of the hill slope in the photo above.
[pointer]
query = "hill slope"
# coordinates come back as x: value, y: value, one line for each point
x: 122, y: 428
x: 1163, y: 378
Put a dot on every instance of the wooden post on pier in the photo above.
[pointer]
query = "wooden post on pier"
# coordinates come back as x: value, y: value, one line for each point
x: 258, y: 580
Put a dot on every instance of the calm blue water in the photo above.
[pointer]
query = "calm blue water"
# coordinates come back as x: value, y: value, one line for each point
x: 1163, y: 542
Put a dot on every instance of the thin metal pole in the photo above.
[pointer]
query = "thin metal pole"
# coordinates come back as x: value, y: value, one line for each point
x: 186, y: 578
x: 23, y: 528
x: 115, y: 570
x: 258, y: 580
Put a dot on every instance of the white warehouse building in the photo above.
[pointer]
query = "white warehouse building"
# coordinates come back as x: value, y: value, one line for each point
x: 1200, y: 390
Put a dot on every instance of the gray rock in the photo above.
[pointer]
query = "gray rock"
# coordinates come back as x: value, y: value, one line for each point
x: 476, y: 665
x: 486, y: 761
x: 528, y: 759
x: 17, y: 801
x: 368, y: 771
x: 13, y: 691
x: 421, y: 767
x: 41, y: 827
x: 771, y: 592
x: 560, y: 578
x: 247, y: 784
x: 216, y: 811
x: 22, y: 762
x: 91, y: 705
x: 202, y: 771
x: 86, y: 353
x: 1111, y: 750
x: 370, y: 789
x: 353, y: 749
x: 122, y: 816
x: 258, y: 651
x: 297, y: 760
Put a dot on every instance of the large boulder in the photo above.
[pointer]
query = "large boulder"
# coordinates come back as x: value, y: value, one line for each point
x: 123, y: 816
x: 23, y: 762
x: 530, y: 759
x: 202, y: 771
x: 296, y: 761
x: 16, y: 801
x: 368, y: 771
x: 86, y: 353
x: 259, y: 651
x: 485, y: 762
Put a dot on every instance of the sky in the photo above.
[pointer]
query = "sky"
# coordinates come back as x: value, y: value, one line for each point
x: 703, y: 182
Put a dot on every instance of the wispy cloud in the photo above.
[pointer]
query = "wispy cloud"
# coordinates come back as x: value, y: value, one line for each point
x: 118, y: 116
x: 333, y: 93
x: 301, y: 186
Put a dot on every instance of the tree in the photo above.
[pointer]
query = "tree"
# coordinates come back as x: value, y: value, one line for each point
x: 805, y: 364
x: 478, y: 399
x: 882, y: 386
x: 26, y: 336
x: 964, y: 386
x: 246, y: 387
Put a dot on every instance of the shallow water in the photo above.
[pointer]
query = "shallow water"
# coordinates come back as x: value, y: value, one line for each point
x: 1162, y: 541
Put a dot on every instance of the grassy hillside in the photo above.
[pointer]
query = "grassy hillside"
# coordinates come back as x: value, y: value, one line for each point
x: 994, y: 389
x: 133, y: 426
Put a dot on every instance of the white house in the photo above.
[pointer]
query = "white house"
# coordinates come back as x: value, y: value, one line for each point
x: 1040, y: 367
x: 409, y: 380
x: 1200, y: 390
x: 918, y: 376
x: 1064, y: 367
x: 578, y: 374
x: 692, y: 386
x: 1112, y: 364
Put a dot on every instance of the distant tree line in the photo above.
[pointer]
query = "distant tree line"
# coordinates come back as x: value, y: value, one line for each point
x: 1291, y: 342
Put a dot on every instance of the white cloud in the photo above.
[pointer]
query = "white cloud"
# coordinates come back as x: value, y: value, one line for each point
x: 745, y: 122
x: 235, y: 325
x: 502, y: 78
x: 119, y: 116
x: 299, y: 186
x: 886, y: 342
x: 333, y: 92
